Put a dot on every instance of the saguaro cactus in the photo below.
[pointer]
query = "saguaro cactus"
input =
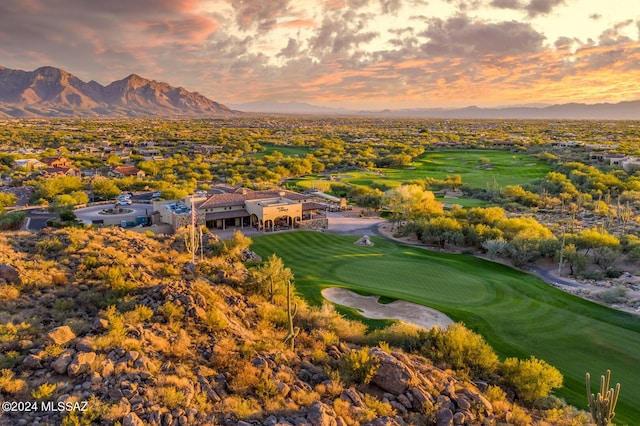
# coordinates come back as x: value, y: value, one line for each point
x: 291, y: 313
x: 603, y: 404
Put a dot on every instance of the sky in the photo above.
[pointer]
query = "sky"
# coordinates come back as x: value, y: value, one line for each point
x: 357, y: 54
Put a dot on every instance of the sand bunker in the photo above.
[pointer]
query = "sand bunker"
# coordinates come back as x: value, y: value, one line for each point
x: 399, y: 310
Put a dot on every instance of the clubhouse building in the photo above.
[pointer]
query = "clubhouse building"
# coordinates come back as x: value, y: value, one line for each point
x: 266, y: 211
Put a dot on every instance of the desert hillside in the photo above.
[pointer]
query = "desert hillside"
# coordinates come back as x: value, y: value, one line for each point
x: 121, y: 327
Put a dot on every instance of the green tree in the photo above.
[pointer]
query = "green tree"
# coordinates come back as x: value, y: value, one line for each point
x: 270, y: 278
x: 105, y: 188
x: 6, y: 199
x: 576, y: 260
x: 532, y: 379
x: 442, y: 230
x: 410, y: 202
x: 594, y: 238
x: 233, y: 247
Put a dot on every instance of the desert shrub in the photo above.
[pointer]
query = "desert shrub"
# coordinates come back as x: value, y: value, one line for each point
x: 359, y: 366
x: 116, y: 332
x: 378, y: 407
x: 613, y: 295
x: 10, y: 359
x: 462, y: 349
x: 64, y: 305
x: 567, y: 416
x: 8, y: 292
x: 44, y: 391
x: 170, y: 397
x: 10, y: 332
x: 613, y: 273
x: 328, y: 337
x: 593, y: 275
x: 495, y: 393
x: 138, y: 314
x: 57, y: 277
x: 215, y: 321
x: 114, y: 278
x: 532, y: 379
x: 12, y: 220
x: 171, y: 311
x: 244, y: 377
x: 311, y: 318
x: 49, y: 245
x: 266, y: 387
x: 96, y: 410
x: 519, y: 416
x: 10, y: 385
x: 53, y: 351
x: 403, y: 335
x: 304, y: 398
x: 319, y: 356
x: 331, y: 388
x: 244, y: 408
x: 343, y: 409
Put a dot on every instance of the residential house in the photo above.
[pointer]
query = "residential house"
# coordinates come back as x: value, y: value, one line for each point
x: 62, y: 171
x: 29, y: 163
x: 125, y: 171
x: 57, y: 162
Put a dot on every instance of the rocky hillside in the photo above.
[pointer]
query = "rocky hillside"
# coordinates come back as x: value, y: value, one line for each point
x: 52, y: 92
x: 112, y: 326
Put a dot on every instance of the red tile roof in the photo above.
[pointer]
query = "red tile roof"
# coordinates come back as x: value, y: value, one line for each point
x: 236, y: 199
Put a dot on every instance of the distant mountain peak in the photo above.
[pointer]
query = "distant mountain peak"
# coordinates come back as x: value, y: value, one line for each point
x: 53, y: 92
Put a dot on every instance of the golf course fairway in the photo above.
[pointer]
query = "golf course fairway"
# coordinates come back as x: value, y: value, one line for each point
x: 518, y: 314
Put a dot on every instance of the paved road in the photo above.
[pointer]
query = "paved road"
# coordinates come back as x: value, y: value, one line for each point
x: 89, y: 214
x: 37, y: 219
x: 547, y: 276
x: 342, y: 225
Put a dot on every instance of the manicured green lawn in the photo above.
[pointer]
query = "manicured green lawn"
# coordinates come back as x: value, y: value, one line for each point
x: 287, y: 151
x: 505, y: 168
x: 517, y: 313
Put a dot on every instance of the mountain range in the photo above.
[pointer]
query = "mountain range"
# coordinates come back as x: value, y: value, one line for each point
x: 572, y: 111
x: 52, y: 92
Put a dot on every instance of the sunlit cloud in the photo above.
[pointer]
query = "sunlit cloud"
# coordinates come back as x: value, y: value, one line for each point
x: 357, y: 53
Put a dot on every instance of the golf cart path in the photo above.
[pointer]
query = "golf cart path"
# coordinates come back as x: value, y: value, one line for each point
x: 369, y: 307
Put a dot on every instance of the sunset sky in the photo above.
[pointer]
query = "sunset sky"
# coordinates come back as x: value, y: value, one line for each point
x: 362, y: 54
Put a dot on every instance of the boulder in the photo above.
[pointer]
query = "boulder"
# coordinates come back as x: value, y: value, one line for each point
x: 132, y: 419
x: 81, y: 363
x: 10, y: 274
x: 392, y: 375
x: 364, y: 241
x: 62, y: 362
x: 32, y: 362
x: 60, y: 335
x: 444, y: 417
x: 386, y: 421
x: 320, y: 414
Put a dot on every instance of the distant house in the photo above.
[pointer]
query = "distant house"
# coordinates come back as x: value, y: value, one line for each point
x: 631, y: 164
x: 126, y: 171
x: 62, y: 171
x: 29, y: 163
x: 57, y: 162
